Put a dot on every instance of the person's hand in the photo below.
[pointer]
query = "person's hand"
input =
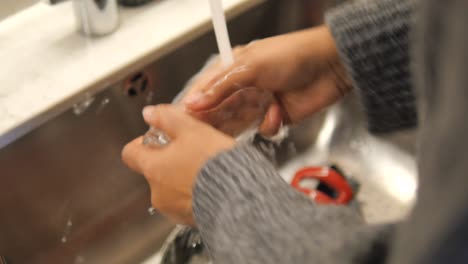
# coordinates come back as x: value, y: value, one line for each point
x: 301, y: 69
x: 171, y: 170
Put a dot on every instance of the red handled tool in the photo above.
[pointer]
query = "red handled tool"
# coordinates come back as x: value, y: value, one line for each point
x: 333, y: 187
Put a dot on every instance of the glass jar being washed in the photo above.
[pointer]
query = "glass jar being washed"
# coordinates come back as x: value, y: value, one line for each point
x: 225, y: 117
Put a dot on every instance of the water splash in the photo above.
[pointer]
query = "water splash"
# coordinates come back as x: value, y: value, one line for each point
x: 103, y: 104
x: 79, y: 259
x: 360, y: 145
x: 292, y: 149
x: 151, y: 211
x: 81, y: 107
x: 149, y: 97
x: 67, y: 230
x: 155, y: 137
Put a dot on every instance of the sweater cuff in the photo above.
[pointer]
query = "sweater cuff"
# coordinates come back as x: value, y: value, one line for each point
x: 231, y: 178
x: 372, y: 41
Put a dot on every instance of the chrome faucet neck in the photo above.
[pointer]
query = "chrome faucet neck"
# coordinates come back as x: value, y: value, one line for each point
x: 94, y: 17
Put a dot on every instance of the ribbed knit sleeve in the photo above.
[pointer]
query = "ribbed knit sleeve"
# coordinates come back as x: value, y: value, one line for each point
x: 372, y: 39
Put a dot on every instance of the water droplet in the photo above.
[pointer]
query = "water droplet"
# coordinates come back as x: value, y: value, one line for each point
x: 149, y: 97
x: 354, y: 144
x: 67, y: 230
x: 79, y: 259
x: 155, y: 137
x: 81, y: 107
x: 292, y: 150
x: 151, y: 211
x: 103, y: 104
x: 105, y: 101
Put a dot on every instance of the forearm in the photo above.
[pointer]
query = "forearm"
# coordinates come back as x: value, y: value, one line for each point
x: 250, y: 215
x: 372, y: 40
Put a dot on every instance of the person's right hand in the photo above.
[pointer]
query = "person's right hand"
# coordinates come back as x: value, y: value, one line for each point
x: 301, y: 69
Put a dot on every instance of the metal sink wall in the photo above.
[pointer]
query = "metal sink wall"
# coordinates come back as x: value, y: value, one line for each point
x: 384, y: 166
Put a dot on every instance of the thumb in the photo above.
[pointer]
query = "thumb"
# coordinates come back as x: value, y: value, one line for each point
x: 168, y: 118
x: 272, y: 121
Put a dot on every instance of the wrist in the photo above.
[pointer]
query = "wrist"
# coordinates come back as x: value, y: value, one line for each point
x: 334, y: 64
x: 324, y: 59
x: 341, y: 78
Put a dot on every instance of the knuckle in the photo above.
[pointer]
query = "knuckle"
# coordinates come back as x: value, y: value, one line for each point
x: 160, y: 114
x: 159, y: 109
x: 239, y: 49
x: 155, y: 200
x: 158, y: 203
x: 146, y: 171
x: 149, y: 171
x: 125, y: 153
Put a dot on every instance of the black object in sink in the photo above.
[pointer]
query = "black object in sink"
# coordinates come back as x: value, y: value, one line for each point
x: 133, y: 2
x: 185, y: 248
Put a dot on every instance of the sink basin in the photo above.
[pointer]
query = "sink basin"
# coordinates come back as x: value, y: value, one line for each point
x: 384, y: 166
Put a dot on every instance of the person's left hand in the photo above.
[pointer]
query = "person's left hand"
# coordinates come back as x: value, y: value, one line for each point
x: 171, y: 170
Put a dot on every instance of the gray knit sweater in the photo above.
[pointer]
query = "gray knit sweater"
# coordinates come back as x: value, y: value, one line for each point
x: 247, y: 214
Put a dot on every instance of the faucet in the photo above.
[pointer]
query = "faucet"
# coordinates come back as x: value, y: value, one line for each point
x: 94, y: 17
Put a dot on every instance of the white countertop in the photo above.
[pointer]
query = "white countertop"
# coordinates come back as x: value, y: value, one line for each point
x: 46, y: 63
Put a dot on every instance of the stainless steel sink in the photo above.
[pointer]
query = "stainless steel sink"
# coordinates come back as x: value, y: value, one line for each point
x: 65, y: 196
x: 384, y: 166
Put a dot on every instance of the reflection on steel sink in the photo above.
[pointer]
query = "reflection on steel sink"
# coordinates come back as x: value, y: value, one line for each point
x: 384, y: 166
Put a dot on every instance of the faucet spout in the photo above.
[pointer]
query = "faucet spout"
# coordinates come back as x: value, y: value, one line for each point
x: 94, y: 17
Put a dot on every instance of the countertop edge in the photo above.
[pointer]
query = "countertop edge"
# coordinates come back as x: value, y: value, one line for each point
x: 55, y: 108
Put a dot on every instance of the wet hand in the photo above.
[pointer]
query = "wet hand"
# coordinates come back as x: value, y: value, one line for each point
x: 302, y: 70
x: 171, y: 170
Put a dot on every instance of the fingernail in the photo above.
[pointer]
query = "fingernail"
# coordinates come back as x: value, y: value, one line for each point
x: 148, y: 112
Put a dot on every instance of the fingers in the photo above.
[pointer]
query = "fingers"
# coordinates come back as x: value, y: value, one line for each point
x: 211, y: 69
x: 272, y: 122
x: 169, y: 118
x: 200, y: 82
x: 136, y: 156
x: 221, y: 86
